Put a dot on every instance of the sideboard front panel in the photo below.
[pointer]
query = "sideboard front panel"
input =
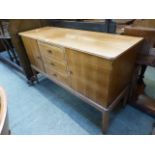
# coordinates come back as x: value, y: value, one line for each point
x: 89, y: 75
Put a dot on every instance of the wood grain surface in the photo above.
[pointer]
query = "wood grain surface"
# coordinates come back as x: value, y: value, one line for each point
x: 89, y: 73
x: 103, y: 45
x: 33, y: 52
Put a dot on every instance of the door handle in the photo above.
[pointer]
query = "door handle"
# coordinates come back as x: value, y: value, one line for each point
x: 55, y: 75
x: 52, y: 64
x: 38, y: 57
x: 71, y: 72
x: 49, y: 51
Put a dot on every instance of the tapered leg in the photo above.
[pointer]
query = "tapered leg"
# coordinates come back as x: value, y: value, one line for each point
x: 105, y: 121
x: 125, y: 98
x: 35, y: 76
x: 133, y: 86
x: 141, y: 76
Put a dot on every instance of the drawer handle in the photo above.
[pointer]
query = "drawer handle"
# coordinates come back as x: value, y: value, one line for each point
x: 49, y: 51
x: 55, y: 75
x: 71, y: 72
x: 52, y: 64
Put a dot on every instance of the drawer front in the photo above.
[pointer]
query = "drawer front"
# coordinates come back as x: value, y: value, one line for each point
x: 52, y: 51
x: 55, y: 74
x: 59, y: 66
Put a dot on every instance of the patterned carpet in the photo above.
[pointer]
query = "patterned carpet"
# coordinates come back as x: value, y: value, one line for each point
x: 48, y: 109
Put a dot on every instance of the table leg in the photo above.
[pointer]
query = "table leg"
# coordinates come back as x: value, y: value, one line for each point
x: 105, y: 121
x: 141, y: 76
x: 133, y: 87
x: 126, y: 97
x: 33, y: 78
x: 35, y: 75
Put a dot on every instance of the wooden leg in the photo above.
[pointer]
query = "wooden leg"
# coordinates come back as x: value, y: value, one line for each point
x: 141, y: 76
x: 105, y: 121
x: 133, y: 87
x: 35, y: 76
x: 140, y: 82
x: 125, y: 98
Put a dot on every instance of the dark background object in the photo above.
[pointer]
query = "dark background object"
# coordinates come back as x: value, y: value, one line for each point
x: 7, y: 51
x: 91, y: 25
x: 19, y: 25
x: 146, y: 57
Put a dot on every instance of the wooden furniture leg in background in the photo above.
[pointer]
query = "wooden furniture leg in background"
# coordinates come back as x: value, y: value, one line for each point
x: 140, y: 81
x: 141, y: 76
x: 138, y: 97
x: 35, y: 75
x: 133, y: 95
x: 34, y: 78
x: 125, y: 98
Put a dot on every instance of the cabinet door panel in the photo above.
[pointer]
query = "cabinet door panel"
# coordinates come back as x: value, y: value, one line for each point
x: 89, y: 75
x: 33, y: 52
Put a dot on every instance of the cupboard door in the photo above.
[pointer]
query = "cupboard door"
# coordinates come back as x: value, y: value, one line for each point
x: 89, y: 75
x: 33, y: 52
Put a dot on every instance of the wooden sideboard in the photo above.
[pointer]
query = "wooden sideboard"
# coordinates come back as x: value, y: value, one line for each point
x: 97, y: 67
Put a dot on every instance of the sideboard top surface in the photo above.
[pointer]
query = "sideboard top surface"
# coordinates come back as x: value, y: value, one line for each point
x: 104, y: 45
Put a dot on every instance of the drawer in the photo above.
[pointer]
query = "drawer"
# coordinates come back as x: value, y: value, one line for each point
x: 52, y: 51
x: 57, y: 75
x: 59, y: 66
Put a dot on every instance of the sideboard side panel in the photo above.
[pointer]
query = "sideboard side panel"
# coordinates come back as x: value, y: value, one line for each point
x: 32, y: 49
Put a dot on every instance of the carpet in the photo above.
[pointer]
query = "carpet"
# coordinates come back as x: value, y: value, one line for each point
x: 47, y: 109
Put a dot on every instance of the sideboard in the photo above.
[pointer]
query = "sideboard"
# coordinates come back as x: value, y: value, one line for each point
x: 96, y: 67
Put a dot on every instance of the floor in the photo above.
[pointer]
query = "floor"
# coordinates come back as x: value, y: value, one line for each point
x: 48, y: 109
